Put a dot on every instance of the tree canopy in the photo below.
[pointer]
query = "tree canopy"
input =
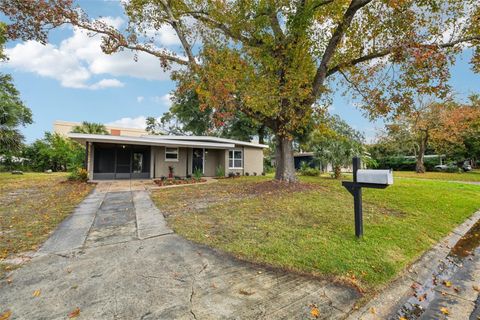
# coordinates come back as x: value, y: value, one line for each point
x: 91, y: 128
x: 186, y: 117
x: 335, y: 143
x: 13, y: 113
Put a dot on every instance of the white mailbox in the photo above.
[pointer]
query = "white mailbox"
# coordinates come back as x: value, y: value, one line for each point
x: 375, y: 176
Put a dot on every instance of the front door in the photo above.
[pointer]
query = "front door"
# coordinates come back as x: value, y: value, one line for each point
x: 124, y: 161
x: 197, y: 159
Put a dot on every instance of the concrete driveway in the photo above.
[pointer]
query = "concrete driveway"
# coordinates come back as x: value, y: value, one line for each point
x: 115, y: 258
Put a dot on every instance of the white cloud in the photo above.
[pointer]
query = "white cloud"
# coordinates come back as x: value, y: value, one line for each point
x: 127, y: 122
x: 165, y: 100
x: 140, y: 99
x: 79, y: 57
x: 107, y: 83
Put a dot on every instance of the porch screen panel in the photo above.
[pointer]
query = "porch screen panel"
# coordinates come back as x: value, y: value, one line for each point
x: 104, y: 159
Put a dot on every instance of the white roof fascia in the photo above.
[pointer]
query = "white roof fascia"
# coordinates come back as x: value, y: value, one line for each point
x: 82, y: 137
x: 208, y: 138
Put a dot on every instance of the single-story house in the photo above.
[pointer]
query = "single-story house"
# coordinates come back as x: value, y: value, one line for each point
x: 149, y: 157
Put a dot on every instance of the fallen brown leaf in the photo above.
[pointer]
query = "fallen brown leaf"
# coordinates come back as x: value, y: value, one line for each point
x: 314, y: 312
x: 444, y: 310
x: 246, y: 292
x: 6, y: 315
x: 75, y: 313
x: 476, y: 288
x: 447, y: 283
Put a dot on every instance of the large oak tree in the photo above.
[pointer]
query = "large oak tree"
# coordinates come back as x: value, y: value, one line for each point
x: 277, y: 59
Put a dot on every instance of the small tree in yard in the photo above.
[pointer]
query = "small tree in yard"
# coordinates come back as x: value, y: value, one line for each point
x: 275, y: 60
x: 335, y: 143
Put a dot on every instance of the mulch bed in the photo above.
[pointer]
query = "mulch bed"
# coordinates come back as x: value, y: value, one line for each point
x: 173, y: 182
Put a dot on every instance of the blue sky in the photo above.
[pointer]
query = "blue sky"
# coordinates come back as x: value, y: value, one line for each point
x: 70, y: 79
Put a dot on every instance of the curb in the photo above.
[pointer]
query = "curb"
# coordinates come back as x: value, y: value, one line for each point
x: 395, y: 295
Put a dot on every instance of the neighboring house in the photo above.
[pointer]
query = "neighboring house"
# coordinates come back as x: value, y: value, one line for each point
x: 64, y: 127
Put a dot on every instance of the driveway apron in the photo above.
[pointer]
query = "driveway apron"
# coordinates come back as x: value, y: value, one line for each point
x: 115, y: 258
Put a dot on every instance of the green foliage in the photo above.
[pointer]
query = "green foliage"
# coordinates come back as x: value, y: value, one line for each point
x: 78, y: 174
x: 335, y: 142
x: 197, y: 174
x: 90, y: 128
x: 405, y: 164
x: 306, y: 170
x: 55, y: 152
x: 220, y: 171
x: 13, y: 113
x: 186, y: 117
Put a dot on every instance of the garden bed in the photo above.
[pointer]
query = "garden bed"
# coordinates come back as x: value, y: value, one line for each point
x: 174, y: 182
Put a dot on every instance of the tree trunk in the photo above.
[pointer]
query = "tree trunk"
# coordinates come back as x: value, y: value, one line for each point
x: 261, y: 134
x: 337, y: 172
x: 285, y: 170
x: 419, y: 166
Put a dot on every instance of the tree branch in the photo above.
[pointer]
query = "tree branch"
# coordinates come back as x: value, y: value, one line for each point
x: 177, y: 26
x: 321, y: 4
x: 386, y: 52
x: 333, y: 43
x: 121, y: 42
x: 205, y: 18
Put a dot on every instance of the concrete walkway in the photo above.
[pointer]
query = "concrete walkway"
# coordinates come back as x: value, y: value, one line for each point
x: 115, y: 258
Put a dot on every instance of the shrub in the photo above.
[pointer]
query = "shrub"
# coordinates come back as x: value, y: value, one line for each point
x: 219, y: 171
x: 404, y: 164
x: 255, y: 174
x: 306, y: 170
x: 247, y: 174
x: 231, y: 174
x: 78, y: 174
x: 197, y: 174
x: 312, y: 172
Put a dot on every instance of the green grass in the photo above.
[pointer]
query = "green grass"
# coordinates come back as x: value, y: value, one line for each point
x: 312, y: 231
x: 472, y: 176
x: 31, y: 206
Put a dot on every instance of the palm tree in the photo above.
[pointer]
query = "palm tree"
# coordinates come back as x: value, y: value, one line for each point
x: 90, y: 128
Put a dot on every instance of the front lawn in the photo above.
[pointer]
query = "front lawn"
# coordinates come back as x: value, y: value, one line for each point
x: 31, y: 206
x: 309, y: 228
x: 473, y: 176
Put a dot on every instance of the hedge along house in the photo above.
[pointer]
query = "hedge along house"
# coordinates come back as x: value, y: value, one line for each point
x: 147, y: 157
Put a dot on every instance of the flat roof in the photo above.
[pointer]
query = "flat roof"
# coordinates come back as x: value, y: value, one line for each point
x: 146, y: 140
x: 210, y: 139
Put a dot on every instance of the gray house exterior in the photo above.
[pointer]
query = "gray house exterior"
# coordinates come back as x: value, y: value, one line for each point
x: 111, y: 157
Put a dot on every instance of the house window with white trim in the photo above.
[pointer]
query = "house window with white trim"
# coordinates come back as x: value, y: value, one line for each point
x: 235, y: 159
x: 171, y: 154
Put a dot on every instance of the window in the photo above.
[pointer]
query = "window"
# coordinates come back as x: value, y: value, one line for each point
x: 137, y: 162
x: 171, y: 154
x: 235, y: 159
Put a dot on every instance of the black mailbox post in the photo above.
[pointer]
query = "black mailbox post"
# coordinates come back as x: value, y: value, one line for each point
x: 355, y: 188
